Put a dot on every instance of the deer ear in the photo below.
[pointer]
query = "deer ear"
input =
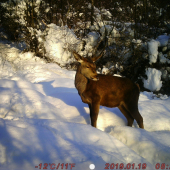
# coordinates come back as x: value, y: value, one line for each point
x: 94, y: 59
x: 78, y: 57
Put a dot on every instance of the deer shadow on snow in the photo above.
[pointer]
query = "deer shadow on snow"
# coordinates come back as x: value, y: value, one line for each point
x: 68, y: 95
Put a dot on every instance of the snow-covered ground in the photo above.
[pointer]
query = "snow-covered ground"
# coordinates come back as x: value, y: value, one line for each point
x: 43, y: 123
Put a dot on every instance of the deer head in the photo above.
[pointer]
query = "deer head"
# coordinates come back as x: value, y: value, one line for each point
x: 88, y: 66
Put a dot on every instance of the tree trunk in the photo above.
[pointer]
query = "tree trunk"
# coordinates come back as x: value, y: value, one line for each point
x: 92, y: 12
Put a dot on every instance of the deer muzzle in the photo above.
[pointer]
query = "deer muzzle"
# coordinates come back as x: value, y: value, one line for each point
x: 95, y: 78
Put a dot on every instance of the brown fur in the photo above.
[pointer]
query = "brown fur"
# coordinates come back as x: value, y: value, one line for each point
x: 106, y: 90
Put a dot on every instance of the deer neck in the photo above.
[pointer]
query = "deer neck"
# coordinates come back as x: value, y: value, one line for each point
x: 80, y: 81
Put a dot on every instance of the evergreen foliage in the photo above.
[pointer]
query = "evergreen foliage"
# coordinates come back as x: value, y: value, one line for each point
x: 27, y: 20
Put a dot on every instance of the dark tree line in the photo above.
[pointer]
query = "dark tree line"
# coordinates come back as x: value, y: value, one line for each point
x: 147, y: 15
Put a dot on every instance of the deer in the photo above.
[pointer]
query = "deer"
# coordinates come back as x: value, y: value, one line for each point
x: 106, y: 90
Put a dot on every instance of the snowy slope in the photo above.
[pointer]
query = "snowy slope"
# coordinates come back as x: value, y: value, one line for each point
x: 43, y: 120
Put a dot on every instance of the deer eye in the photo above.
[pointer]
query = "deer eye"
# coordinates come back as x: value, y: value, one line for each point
x: 87, y: 67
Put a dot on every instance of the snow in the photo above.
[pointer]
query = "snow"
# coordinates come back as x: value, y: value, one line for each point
x: 163, y: 40
x: 61, y: 41
x: 58, y: 41
x: 109, y: 30
x: 145, y: 143
x: 137, y: 41
x: 91, y: 42
x: 43, y: 120
x: 153, y: 45
x: 163, y: 59
x: 105, y: 70
x: 153, y: 81
x: 93, y: 39
x: 153, y: 51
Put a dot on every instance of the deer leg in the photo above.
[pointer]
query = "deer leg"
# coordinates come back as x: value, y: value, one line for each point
x: 139, y: 120
x: 135, y: 114
x: 94, y: 110
x: 129, y: 118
